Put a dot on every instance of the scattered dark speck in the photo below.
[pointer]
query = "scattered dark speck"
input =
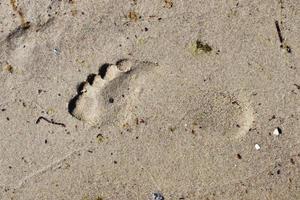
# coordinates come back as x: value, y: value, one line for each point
x: 278, y: 171
x: 288, y: 49
x: 111, y: 100
x: 172, y: 129
x: 235, y: 103
x: 115, y: 162
x: 146, y: 29
x: 7, y: 118
x: 239, y: 156
x: 40, y: 91
x: 292, y: 161
x: 46, y: 141
x: 273, y: 117
x: 298, y: 86
x: 3, y: 109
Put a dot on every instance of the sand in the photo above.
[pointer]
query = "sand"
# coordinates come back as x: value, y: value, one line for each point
x: 161, y: 99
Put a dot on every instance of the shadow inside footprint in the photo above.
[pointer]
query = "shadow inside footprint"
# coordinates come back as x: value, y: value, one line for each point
x: 90, y: 78
x: 72, y: 102
x: 103, y: 70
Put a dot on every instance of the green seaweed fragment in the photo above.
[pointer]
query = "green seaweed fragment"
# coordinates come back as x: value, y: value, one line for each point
x: 199, y: 47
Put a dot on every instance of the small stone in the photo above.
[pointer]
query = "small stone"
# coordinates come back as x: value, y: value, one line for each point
x: 56, y: 51
x: 257, y: 147
x: 277, y: 132
x: 157, y: 196
x: 8, y: 68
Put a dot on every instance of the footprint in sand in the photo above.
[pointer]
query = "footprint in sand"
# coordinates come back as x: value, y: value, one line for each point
x: 93, y: 99
x: 122, y: 92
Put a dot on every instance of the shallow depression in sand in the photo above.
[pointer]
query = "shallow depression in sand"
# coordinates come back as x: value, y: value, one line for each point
x: 131, y: 89
x: 219, y: 113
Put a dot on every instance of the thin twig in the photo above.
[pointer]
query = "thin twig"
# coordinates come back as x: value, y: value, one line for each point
x: 49, y: 121
x: 279, y: 31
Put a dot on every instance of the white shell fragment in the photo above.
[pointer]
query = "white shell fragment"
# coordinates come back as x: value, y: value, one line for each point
x: 277, y: 132
x: 257, y: 147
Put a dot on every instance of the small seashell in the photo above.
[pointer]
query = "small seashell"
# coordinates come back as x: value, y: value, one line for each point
x: 257, y: 147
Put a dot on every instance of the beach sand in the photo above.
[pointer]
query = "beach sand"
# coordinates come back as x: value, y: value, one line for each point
x: 161, y: 99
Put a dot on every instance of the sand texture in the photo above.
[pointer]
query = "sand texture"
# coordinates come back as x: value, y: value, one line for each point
x: 150, y: 100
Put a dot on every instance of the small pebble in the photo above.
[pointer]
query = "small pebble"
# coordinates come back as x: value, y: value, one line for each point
x: 257, y: 147
x: 157, y: 196
x: 56, y: 51
x: 277, y: 131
